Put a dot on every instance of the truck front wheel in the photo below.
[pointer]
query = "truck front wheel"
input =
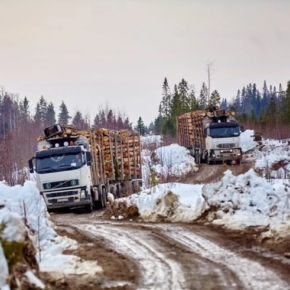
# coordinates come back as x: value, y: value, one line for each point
x: 89, y: 207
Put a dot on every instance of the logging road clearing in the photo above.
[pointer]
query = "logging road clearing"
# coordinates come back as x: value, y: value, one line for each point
x: 137, y: 255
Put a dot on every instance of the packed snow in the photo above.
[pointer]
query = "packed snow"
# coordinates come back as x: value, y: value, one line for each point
x: 24, y: 209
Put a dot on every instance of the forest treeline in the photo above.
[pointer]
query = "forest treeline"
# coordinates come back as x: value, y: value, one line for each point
x: 20, y: 125
x: 266, y: 109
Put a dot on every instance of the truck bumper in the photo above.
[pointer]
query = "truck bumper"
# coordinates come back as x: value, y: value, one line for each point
x: 226, y: 154
x: 69, y: 204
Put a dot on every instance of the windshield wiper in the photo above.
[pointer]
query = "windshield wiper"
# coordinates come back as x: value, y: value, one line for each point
x: 64, y: 165
x: 45, y: 168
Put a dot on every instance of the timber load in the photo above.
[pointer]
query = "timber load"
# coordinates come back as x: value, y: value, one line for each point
x: 190, y: 126
x: 115, y: 153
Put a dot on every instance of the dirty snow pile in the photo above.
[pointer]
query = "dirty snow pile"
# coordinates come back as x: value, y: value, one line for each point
x: 24, y: 205
x: 273, y: 158
x: 248, y: 200
x: 235, y: 202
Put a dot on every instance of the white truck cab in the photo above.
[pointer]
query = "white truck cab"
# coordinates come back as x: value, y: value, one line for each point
x: 62, y: 171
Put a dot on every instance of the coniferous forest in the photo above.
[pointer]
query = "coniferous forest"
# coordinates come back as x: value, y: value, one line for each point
x: 20, y: 125
x: 264, y: 108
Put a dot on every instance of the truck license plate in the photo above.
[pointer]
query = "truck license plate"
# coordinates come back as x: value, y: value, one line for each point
x: 62, y: 199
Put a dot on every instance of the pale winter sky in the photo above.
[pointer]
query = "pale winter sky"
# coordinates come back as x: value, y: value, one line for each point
x: 87, y: 52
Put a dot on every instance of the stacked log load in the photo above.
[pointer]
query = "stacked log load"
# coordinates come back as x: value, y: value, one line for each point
x: 115, y: 153
x: 190, y: 126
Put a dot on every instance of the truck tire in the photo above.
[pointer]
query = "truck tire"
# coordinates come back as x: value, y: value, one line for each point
x: 104, y: 198
x: 208, y: 161
x: 197, y: 157
x: 89, y: 207
x: 99, y: 202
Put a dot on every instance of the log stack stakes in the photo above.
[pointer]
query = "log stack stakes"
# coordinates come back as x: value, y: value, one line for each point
x: 115, y: 153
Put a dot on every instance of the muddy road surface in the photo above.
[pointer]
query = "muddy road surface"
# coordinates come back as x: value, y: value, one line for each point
x: 136, y: 255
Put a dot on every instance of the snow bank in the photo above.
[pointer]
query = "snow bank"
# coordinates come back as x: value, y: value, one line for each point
x: 24, y: 205
x: 235, y: 202
x: 3, y: 268
x: 16, y: 244
x: 247, y: 142
x: 28, y: 203
x: 167, y: 161
x: 172, y: 202
x: 272, y: 153
x: 247, y: 200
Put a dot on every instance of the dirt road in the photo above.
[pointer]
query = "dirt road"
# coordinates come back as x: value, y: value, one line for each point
x: 213, y: 173
x: 170, y: 256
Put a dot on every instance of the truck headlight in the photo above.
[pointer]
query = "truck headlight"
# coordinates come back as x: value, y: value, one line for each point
x: 83, y: 193
x: 47, y: 185
x: 74, y: 182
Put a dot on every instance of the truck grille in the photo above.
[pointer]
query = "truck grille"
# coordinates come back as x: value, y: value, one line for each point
x: 227, y: 145
x: 60, y: 194
x: 54, y: 200
x: 60, y: 184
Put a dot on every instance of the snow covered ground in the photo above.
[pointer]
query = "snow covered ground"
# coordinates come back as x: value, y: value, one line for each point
x: 259, y: 198
x: 235, y: 202
x: 23, y: 205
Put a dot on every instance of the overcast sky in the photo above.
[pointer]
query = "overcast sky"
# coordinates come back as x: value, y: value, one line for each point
x: 88, y: 52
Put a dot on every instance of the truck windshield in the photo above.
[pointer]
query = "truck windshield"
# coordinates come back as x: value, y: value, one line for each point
x: 219, y: 132
x: 61, y: 162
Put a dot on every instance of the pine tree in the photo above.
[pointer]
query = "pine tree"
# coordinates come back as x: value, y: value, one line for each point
x: 183, y: 96
x: 166, y: 99
x: 79, y: 122
x: 272, y: 116
x: 224, y: 104
x: 215, y: 98
x: 24, y: 110
x: 176, y: 109
x: 63, y: 116
x: 110, y: 120
x: 193, y: 104
x: 140, y: 126
x: 203, y: 97
x: 41, y: 111
x: 50, y: 115
x: 285, y: 110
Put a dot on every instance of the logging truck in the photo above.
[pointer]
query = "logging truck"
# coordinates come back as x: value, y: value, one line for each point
x: 77, y: 169
x: 211, y: 135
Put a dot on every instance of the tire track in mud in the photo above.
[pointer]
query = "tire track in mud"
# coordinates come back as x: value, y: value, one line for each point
x: 176, y: 256
x: 251, y: 273
x: 164, y: 263
x: 157, y: 271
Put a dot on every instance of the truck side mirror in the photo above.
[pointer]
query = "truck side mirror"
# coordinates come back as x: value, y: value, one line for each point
x: 89, y: 158
x: 242, y: 128
x: 30, y: 165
